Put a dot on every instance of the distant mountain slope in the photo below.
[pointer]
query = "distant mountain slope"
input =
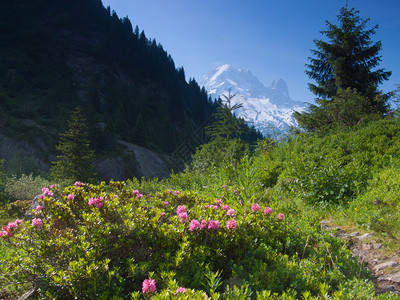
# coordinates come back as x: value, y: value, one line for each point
x: 59, y: 54
x: 267, y: 108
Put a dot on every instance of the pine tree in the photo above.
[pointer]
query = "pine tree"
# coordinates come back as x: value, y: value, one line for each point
x: 346, y: 61
x: 226, y: 124
x: 76, y: 159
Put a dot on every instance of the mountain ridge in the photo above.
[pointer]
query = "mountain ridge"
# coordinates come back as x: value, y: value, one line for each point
x: 269, y: 109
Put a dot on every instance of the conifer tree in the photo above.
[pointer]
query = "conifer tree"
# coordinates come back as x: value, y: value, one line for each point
x: 226, y: 124
x: 75, y: 161
x: 346, y: 61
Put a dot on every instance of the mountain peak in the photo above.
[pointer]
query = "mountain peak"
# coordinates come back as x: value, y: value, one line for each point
x: 280, y: 86
x: 264, y: 107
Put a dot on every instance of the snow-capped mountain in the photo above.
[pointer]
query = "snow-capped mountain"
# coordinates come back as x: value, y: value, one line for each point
x: 269, y: 109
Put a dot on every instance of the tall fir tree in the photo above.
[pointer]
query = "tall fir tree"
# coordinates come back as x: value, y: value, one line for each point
x: 346, y: 61
x: 75, y: 161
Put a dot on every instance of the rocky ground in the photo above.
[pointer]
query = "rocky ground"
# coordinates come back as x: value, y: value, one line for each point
x: 383, y: 263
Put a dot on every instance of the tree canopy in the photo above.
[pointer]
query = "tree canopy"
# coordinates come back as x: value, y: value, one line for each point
x: 347, y: 60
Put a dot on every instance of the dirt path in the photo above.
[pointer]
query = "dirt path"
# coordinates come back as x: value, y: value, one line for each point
x: 384, y: 264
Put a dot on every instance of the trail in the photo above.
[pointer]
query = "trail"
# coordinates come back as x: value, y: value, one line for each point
x: 383, y: 263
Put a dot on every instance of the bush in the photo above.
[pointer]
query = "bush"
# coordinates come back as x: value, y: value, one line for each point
x: 378, y: 208
x: 25, y: 187
x: 94, y: 241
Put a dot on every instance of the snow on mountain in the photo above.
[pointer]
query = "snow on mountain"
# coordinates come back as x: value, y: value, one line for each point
x: 269, y: 109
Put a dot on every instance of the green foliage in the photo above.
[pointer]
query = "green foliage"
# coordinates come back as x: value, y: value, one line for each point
x: 224, y: 152
x: 378, y: 207
x: 15, y: 209
x: 335, y: 168
x: 346, y: 109
x: 76, y: 159
x: 25, y: 187
x: 23, y: 165
x: 4, y: 197
x: 344, y: 70
x: 85, y: 250
x: 347, y: 60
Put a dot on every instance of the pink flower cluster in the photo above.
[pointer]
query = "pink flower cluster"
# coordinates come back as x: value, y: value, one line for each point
x: 46, y: 191
x: 218, y: 204
x: 39, y: 208
x: 137, y: 194
x: 78, y: 184
x: 267, y: 211
x: 231, y: 224
x: 196, y: 224
x: 71, y: 197
x: 149, y: 286
x: 255, y: 207
x: 181, y: 290
x: 37, y: 222
x: 98, y: 202
x: 182, y: 214
x: 230, y: 212
x: 7, y: 230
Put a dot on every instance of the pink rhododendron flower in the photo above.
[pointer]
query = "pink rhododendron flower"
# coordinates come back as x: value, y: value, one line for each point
x: 212, y: 224
x: 39, y: 208
x: 218, y: 202
x: 183, y: 217
x: 18, y: 221
x: 255, y: 207
x: 176, y: 193
x: 165, y: 203
x: 41, y: 197
x: 225, y: 207
x: 149, y: 286
x: 98, y: 202
x: 162, y: 215
x: 203, y: 224
x: 240, y: 202
x: 214, y: 207
x: 231, y: 224
x: 181, y: 290
x: 230, y: 212
x: 78, y: 184
x: 268, y: 211
x: 281, y: 216
x: 5, y: 233
x: 47, y: 192
x: 11, y: 225
x: 37, y: 222
x: 137, y: 194
x: 72, y: 196
x: 180, y: 209
x: 194, y: 224
x: 224, y: 186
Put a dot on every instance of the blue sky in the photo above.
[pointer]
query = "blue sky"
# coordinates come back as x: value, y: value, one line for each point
x: 270, y: 38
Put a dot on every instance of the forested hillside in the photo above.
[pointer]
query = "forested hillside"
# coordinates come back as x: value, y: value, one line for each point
x: 57, y: 55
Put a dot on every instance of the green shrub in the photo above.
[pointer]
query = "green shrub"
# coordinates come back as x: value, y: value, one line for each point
x: 336, y: 168
x: 98, y: 241
x: 378, y: 208
x: 25, y: 187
